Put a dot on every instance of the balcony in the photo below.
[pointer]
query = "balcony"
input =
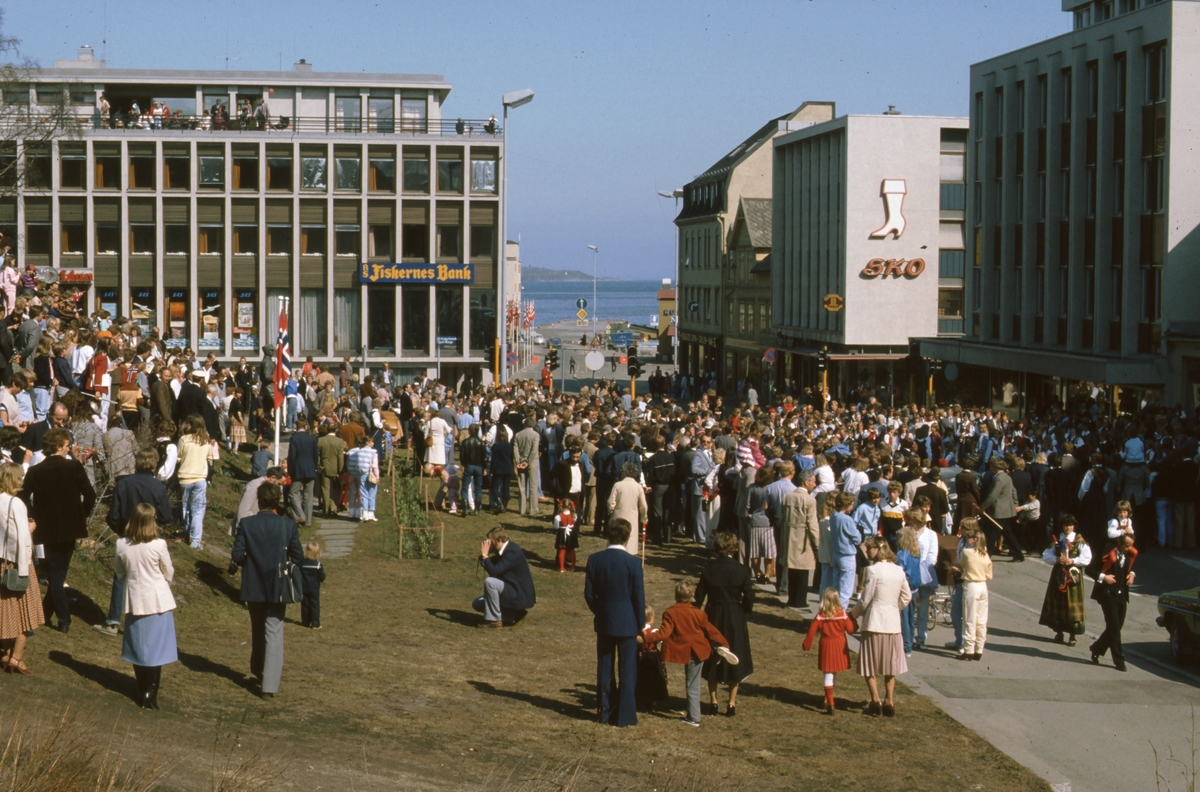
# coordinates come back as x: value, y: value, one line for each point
x: 319, y: 125
x: 951, y: 325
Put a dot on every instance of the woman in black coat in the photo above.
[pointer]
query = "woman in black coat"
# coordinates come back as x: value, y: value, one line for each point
x: 501, y: 469
x: 726, y: 585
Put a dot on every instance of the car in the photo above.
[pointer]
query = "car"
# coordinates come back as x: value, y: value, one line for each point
x: 538, y: 338
x: 555, y: 342
x: 1179, y: 613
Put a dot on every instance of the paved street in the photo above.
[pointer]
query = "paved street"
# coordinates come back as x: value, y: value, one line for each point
x: 1088, y: 728
x: 570, y: 335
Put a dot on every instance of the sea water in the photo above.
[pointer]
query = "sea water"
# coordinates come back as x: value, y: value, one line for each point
x: 555, y: 301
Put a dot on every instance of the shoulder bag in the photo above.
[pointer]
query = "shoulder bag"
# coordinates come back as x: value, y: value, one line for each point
x: 11, y: 579
x: 291, y: 585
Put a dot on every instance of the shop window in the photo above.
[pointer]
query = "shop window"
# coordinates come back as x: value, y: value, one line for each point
x: 312, y: 240
x: 141, y: 238
x: 349, y: 173
x: 279, y: 240
x: 382, y: 175
x: 449, y: 319
x: 450, y: 174
x: 106, y: 300
x: 381, y: 116
x: 177, y: 173
x: 211, y: 319
x: 483, y: 242
x: 347, y: 239
x: 312, y: 319
x: 177, y: 239
x: 379, y: 240
x: 210, y: 239
x: 142, y: 311
x: 212, y: 172
x: 245, y: 327
x: 245, y: 239
x: 483, y: 176
x: 176, y: 310
x: 381, y: 318
x: 347, y: 315
x: 312, y: 173
x: 415, y: 320
x: 416, y: 172
x: 415, y: 242
x: 449, y: 242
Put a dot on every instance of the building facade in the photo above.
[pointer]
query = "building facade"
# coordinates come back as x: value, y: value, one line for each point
x: 1082, y: 215
x: 746, y: 296
x: 867, y: 249
x: 703, y: 226
x: 376, y: 217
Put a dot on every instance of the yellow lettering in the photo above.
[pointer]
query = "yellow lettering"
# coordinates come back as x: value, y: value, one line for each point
x: 366, y: 272
x: 377, y: 272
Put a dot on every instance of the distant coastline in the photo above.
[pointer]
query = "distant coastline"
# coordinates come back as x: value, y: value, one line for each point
x: 538, y: 274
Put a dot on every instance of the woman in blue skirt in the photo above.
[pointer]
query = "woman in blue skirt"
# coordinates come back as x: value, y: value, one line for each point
x: 143, y: 563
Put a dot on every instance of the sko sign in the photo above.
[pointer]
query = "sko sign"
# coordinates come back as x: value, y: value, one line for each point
x: 909, y: 268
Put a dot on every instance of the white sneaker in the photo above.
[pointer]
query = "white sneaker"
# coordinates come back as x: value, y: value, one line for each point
x: 727, y: 656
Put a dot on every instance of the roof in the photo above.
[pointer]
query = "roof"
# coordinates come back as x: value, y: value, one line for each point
x: 103, y: 75
x: 666, y: 294
x: 757, y: 214
x: 762, y: 266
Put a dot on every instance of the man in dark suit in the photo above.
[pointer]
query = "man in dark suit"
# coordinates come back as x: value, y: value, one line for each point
x: 615, y: 594
x: 331, y: 459
x: 141, y: 487
x: 162, y: 396
x: 508, y: 588
x: 1112, y: 592
x: 61, y: 497
x: 1001, y: 504
x: 190, y: 401
x: 263, y: 543
x: 939, y: 503
x: 302, y: 460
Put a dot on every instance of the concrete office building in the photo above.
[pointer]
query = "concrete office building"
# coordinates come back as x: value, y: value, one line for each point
x: 1082, y: 211
x: 868, y: 249
x: 376, y: 216
x: 709, y: 200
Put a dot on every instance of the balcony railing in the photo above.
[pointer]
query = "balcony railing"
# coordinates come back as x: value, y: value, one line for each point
x: 473, y: 127
x: 950, y: 325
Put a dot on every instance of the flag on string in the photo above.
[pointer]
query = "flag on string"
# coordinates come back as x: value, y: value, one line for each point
x: 283, y: 356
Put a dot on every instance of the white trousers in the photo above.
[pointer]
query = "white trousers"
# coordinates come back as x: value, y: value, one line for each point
x: 975, y: 616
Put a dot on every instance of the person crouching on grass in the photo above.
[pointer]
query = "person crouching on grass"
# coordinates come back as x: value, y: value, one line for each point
x: 688, y: 638
x: 833, y: 656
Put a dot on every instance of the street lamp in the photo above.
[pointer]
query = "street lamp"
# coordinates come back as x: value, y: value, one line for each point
x: 676, y: 194
x: 512, y: 99
x: 595, y: 252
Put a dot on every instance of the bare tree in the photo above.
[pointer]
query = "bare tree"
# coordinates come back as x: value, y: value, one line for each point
x: 34, y: 121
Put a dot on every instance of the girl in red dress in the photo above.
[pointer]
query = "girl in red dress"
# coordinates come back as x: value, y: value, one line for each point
x: 566, y: 539
x: 833, y: 625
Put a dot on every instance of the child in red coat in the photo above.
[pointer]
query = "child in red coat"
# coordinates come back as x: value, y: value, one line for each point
x: 688, y: 637
x: 833, y: 625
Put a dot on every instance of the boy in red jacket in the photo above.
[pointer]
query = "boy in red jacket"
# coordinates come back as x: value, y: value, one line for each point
x: 688, y: 638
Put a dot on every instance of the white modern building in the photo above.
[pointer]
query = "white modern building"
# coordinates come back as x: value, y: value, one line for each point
x: 868, y: 247
x: 1083, y: 211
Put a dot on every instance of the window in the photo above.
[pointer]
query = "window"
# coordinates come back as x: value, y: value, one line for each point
x: 978, y: 116
x: 212, y: 172
x: 245, y: 172
x: 72, y: 174
x: 483, y: 242
x: 379, y: 241
x: 211, y: 319
x: 1020, y: 189
x: 312, y: 173
x: 177, y: 239
x: 415, y: 242
x: 141, y: 238
x: 483, y: 320
x: 312, y: 319
x: 950, y: 304
x: 1043, y: 101
x: 1089, y: 298
x: 1118, y: 291
x: 1104, y: 11
x: 1091, y: 191
x: 1151, y: 294
x: 37, y: 167
x: 245, y: 239
x: 449, y: 242
x: 279, y: 173
x: 382, y: 174
x: 1063, y: 289
x: 279, y: 240
x: 245, y: 328
x: 210, y: 239
x: 1093, y: 88
x: 382, y: 115
x: 312, y: 240
x: 1083, y: 17
x: 1066, y: 193
x: 347, y: 315
x: 416, y: 171
x: 349, y: 173
x: 177, y: 173
x: 764, y: 319
x: 142, y: 167
x: 347, y: 239
x: 450, y: 173
x: 449, y: 319
x: 412, y: 114
x: 483, y: 175
x: 1156, y: 73
x: 348, y: 111
x: 999, y: 123
x: 414, y: 319
x: 176, y: 305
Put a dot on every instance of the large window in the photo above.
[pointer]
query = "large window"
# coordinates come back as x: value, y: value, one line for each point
x: 483, y: 242
x: 449, y: 319
x: 382, y: 173
x: 483, y: 322
x: 176, y: 310
x: 415, y: 320
x: 312, y: 320
x: 212, y: 172
x: 142, y: 310
x: 312, y: 173
x: 212, y: 315
x: 349, y: 172
x: 416, y: 170
x: 348, y: 238
x: 349, y: 114
x: 483, y: 175
x: 347, y: 316
x: 245, y: 325
x: 382, y: 115
x: 413, y: 114
x: 381, y: 319
x: 450, y: 171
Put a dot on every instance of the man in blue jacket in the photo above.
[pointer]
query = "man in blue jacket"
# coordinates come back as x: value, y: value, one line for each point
x: 508, y: 588
x: 615, y: 594
x: 302, y: 467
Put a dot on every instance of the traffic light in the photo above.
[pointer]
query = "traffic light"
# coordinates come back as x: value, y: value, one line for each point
x: 634, y: 368
x: 552, y: 359
x: 822, y: 360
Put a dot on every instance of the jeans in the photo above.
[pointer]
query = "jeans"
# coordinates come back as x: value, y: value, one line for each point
x: 41, y: 403
x: 116, y: 603
x: 844, y: 569
x: 489, y: 603
x: 924, y: 596
x: 906, y: 626
x: 1165, y: 511
x: 826, y: 578
x: 292, y: 408
x: 366, y: 494
x: 195, y: 501
x: 472, y: 487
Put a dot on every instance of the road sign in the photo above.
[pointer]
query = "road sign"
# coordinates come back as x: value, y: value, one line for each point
x: 770, y: 355
x: 582, y: 314
x: 581, y: 322
x: 594, y: 361
x: 693, y: 306
x: 833, y: 303
x: 622, y: 339
x: 581, y: 303
x: 512, y: 358
x: 623, y: 359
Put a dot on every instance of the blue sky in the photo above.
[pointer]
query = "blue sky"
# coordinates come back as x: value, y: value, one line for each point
x: 631, y: 98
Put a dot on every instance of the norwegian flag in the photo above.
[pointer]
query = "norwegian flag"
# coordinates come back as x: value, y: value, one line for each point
x: 514, y: 315
x: 283, y: 356
x: 529, y: 314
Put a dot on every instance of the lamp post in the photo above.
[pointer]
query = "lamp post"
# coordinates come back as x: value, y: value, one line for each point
x: 676, y: 194
x: 595, y: 253
x: 513, y: 99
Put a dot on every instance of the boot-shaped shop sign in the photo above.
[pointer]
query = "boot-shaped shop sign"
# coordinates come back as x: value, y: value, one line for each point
x: 893, y: 192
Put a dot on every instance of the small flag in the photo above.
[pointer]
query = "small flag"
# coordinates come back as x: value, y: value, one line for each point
x: 283, y: 356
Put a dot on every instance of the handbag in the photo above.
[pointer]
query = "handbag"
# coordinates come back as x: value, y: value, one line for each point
x: 11, y: 579
x: 291, y: 584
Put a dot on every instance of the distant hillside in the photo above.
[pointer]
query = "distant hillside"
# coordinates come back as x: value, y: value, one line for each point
x: 543, y: 274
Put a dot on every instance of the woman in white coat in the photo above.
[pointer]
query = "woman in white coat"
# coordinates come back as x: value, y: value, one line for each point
x: 885, y: 594
x: 20, y: 608
x: 143, y: 563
